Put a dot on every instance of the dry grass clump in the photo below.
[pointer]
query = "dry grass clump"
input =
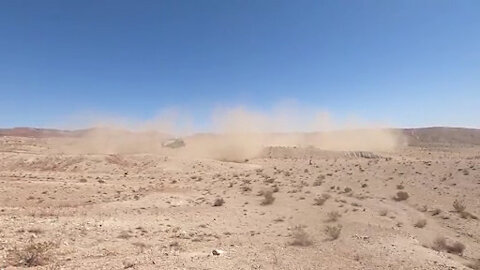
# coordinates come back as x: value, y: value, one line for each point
x: 441, y: 244
x: 401, y: 196
x: 459, y: 206
x: 333, y: 216
x: 383, y: 212
x: 420, y: 223
x: 300, y: 237
x: 322, y: 199
x: 267, y: 198
x: 333, y: 232
x: 31, y: 255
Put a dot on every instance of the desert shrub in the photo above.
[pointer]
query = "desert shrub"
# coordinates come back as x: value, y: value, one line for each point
x: 456, y: 248
x: 383, y: 212
x: 459, y: 206
x: 322, y: 199
x: 420, y: 223
x: 300, y: 237
x: 333, y: 216
x: 318, y: 182
x: 268, y: 198
x: 441, y: 244
x: 401, y: 196
x: 31, y: 255
x: 333, y: 232
x: 218, y: 202
x: 400, y: 186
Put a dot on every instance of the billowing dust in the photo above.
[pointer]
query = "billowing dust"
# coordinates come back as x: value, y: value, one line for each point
x: 235, y: 134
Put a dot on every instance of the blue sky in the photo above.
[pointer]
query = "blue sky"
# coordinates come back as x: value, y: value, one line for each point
x: 408, y: 63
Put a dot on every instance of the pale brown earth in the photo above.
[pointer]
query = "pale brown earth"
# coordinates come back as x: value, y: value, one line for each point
x: 155, y: 211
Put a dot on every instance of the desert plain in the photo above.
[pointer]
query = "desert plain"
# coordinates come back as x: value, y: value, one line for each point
x: 416, y: 206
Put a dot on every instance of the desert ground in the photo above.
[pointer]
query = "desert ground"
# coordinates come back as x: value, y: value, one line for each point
x: 413, y: 207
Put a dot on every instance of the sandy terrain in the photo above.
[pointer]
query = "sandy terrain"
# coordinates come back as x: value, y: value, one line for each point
x: 279, y: 210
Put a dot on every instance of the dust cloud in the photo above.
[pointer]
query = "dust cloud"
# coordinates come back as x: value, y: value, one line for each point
x: 233, y: 134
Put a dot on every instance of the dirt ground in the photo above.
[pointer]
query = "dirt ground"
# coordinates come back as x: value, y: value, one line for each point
x: 290, y: 208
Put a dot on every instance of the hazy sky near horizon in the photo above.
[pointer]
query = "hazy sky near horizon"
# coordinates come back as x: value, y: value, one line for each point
x: 405, y: 63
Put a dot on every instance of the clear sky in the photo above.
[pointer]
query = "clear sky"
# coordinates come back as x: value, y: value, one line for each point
x: 408, y: 63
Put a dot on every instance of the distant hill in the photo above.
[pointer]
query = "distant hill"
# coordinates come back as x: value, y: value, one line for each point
x: 413, y: 136
x: 40, y: 132
x: 442, y: 136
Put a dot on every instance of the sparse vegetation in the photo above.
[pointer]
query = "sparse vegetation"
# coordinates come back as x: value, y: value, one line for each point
x: 300, y: 237
x: 322, y: 199
x: 420, y: 223
x: 218, y: 202
x: 456, y: 248
x: 333, y: 232
x: 441, y: 244
x: 267, y: 198
x: 197, y: 205
x: 31, y: 255
x: 401, y: 196
x: 333, y: 216
x: 459, y: 206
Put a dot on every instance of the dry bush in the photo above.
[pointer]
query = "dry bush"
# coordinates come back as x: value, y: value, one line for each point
x: 420, y: 223
x: 300, y: 237
x: 317, y: 182
x: 333, y: 216
x: 456, y: 248
x: 268, y: 198
x: 322, y: 199
x: 401, y: 196
x: 333, y: 232
x: 459, y: 206
x: 218, y: 202
x: 383, y: 212
x: 32, y: 254
x: 440, y: 244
